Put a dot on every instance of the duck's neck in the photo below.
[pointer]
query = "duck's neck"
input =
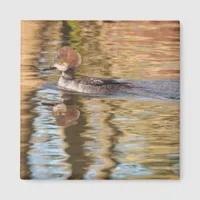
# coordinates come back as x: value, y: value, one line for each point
x: 68, y: 74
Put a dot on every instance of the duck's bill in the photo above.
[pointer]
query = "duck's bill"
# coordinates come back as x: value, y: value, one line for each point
x: 50, y: 68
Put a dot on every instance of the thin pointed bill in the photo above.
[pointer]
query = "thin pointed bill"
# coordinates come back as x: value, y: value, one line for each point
x: 50, y: 68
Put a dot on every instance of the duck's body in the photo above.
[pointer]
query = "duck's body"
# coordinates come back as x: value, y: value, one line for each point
x: 67, y: 60
x: 92, y: 85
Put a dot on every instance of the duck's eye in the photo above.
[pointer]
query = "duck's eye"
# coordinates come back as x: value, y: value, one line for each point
x: 59, y: 62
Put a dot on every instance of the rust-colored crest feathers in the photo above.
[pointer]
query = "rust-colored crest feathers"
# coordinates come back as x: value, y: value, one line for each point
x: 68, y: 55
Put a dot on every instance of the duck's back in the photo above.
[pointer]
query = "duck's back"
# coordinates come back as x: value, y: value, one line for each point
x: 93, y: 85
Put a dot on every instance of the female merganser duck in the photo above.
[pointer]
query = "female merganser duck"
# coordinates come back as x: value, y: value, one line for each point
x: 67, y: 60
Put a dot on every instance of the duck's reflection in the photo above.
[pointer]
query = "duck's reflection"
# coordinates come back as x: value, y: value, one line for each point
x: 68, y: 116
x: 66, y: 113
x: 83, y: 161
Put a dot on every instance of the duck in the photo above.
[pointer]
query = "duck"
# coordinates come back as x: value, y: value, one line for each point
x: 67, y: 60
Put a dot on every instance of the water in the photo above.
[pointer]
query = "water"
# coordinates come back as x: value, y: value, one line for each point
x: 76, y: 136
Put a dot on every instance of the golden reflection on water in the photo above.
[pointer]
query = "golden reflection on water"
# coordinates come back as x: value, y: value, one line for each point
x: 66, y: 136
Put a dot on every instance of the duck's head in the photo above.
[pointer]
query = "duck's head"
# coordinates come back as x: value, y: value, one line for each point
x: 66, y: 58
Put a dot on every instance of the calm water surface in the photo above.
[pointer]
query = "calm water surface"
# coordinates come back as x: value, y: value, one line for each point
x: 74, y: 136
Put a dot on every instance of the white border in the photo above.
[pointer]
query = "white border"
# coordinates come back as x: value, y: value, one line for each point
x: 14, y: 11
